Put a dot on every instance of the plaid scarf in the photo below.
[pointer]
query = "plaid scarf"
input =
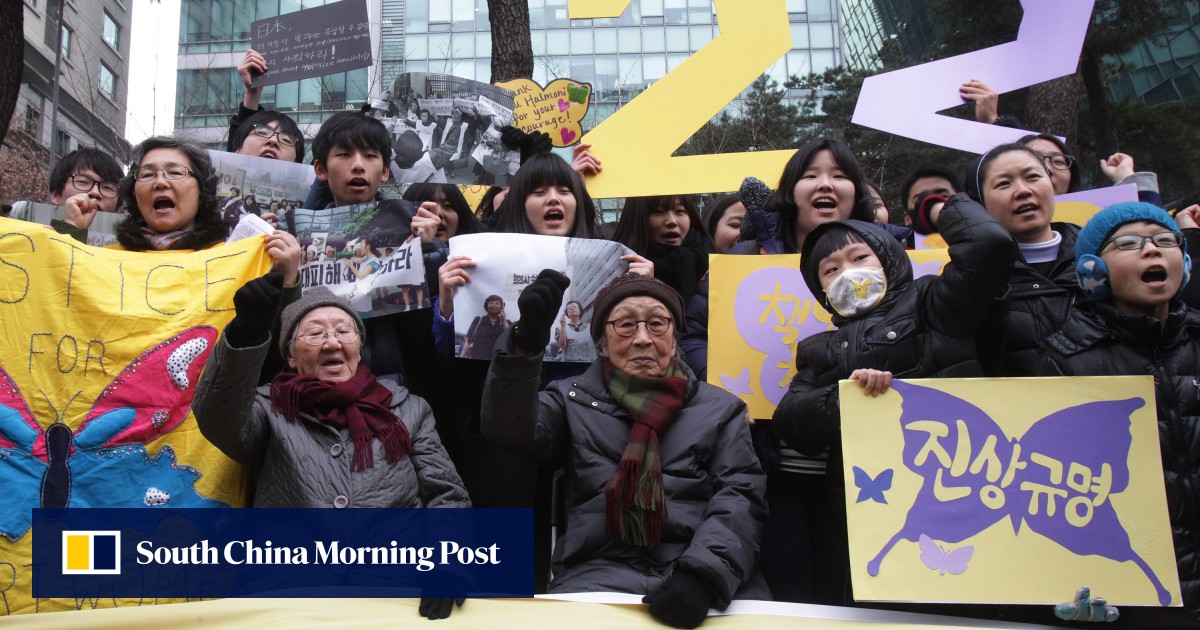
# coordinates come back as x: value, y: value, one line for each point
x: 361, y: 404
x: 162, y: 241
x: 634, y: 501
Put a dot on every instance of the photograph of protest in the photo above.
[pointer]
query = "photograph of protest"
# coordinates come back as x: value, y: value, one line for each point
x: 252, y: 185
x: 504, y: 268
x: 364, y: 253
x: 446, y: 129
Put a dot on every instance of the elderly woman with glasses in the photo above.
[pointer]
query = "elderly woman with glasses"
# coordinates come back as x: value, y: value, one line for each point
x: 664, y: 495
x: 325, y: 432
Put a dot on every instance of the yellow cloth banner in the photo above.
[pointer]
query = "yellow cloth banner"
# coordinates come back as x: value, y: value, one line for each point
x: 100, y: 356
x: 759, y: 308
x: 1007, y: 491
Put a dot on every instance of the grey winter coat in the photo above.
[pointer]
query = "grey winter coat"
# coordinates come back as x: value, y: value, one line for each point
x: 715, y: 489
x: 306, y: 463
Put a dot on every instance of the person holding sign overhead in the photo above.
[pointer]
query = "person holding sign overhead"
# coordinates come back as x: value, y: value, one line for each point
x: 258, y: 132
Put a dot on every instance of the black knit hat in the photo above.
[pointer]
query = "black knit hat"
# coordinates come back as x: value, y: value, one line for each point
x: 629, y: 285
x: 315, y: 298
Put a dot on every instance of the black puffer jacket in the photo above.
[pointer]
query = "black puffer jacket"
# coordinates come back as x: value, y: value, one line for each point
x: 1101, y: 340
x: 922, y: 328
x: 715, y: 489
x: 1037, y: 306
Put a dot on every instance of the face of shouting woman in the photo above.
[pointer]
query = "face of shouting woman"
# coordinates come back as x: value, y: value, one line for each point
x: 165, y: 203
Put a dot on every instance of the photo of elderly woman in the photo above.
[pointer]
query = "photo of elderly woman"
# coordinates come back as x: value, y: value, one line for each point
x: 485, y: 330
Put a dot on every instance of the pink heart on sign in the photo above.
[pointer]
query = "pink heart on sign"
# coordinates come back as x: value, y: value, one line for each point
x: 567, y: 135
x: 563, y: 105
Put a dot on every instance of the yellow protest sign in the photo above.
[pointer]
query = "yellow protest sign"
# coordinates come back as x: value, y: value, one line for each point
x: 98, y: 364
x: 557, y: 109
x: 1007, y: 491
x: 637, y: 141
x: 759, y: 308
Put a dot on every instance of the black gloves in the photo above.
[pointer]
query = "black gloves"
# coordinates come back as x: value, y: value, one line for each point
x: 539, y: 303
x: 255, y: 305
x: 529, y: 144
x: 439, y: 607
x: 682, y: 601
x: 920, y: 213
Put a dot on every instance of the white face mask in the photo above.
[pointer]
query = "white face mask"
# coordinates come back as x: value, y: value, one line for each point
x: 857, y: 290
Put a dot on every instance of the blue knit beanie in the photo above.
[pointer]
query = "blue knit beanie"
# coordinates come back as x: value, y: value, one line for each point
x: 1101, y: 226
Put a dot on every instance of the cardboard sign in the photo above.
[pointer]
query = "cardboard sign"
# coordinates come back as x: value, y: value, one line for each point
x: 763, y: 308
x: 1007, y: 491
x: 312, y: 43
x: 557, y: 109
x: 906, y: 102
x: 507, y: 263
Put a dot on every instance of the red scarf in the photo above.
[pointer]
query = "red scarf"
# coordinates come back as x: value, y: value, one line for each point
x: 635, y: 505
x: 361, y: 404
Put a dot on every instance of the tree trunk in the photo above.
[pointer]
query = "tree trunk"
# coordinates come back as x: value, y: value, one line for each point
x: 12, y: 48
x: 512, y: 48
x: 1053, y: 107
x: 1099, y: 103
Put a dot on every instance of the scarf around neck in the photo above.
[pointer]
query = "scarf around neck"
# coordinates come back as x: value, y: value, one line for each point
x: 634, y: 501
x: 162, y: 241
x: 361, y: 404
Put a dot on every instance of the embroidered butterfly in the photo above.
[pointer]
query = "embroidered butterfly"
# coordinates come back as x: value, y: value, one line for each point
x: 104, y: 462
x: 974, y: 475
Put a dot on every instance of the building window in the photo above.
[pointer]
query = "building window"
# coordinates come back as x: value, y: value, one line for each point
x: 108, y: 81
x: 33, y: 121
x: 32, y: 3
x: 112, y: 32
x: 62, y: 143
x: 66, y: 40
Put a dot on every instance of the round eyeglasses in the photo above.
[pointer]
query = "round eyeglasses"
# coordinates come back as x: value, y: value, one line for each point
x: 1059, y: 161
x: 627, y: 327
x: 317, y: 336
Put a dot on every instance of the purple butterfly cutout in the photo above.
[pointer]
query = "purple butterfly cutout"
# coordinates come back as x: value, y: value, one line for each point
x: 737, y: 386
x: 937, y: 558
x: 872, y: 489
x: 1056, y: 478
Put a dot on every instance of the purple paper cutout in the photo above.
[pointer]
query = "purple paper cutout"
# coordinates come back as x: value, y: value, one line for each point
x: 905, y: 102
x: 872, y: 489
x: 935, y: 557
x: 738, y: 386
x: 773, y: 309
x: 1101, y: 197
x: 1069, y: 462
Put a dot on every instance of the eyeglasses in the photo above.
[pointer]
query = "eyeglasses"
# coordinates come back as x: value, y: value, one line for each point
x: 626, y: 327
x: 1060, y: 161
x: 265, y: 132
x: 1161, y: 240
x: 170, y: 171
x: 317, y: 336
x: 83, y: 183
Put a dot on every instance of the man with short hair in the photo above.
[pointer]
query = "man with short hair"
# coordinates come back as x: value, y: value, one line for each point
x: 86, y: 171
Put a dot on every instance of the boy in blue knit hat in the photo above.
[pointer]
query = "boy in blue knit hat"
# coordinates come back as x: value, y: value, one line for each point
x: 1131, y: 260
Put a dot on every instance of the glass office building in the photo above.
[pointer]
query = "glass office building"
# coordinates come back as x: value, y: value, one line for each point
x: 619, y: 56
x: 1167, y: 67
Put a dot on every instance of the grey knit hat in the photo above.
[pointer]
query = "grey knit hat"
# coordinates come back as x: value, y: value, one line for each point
x: 315, y: 298
x: 629, y: 285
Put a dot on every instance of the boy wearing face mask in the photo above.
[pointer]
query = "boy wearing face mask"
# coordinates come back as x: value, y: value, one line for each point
x: 888, y: 324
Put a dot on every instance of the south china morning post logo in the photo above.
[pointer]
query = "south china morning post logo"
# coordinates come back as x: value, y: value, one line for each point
x: 91, y: 552
x: 442, y: 552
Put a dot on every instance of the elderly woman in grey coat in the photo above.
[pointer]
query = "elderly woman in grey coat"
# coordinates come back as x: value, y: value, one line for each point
x: 664, y: 494
x: 326, y: 432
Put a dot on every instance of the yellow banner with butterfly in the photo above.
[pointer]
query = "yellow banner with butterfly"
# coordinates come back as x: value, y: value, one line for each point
x: 99, y: 360
x: 1007, y: 491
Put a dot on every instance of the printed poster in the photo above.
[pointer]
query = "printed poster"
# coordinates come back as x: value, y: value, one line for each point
x: 763, y: 308
x: 248, y: 184
x: 505, y: 263
x: 446, y: 130
x: 366, y: 254
x: 1007, y: 491
x: 103, y: 230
